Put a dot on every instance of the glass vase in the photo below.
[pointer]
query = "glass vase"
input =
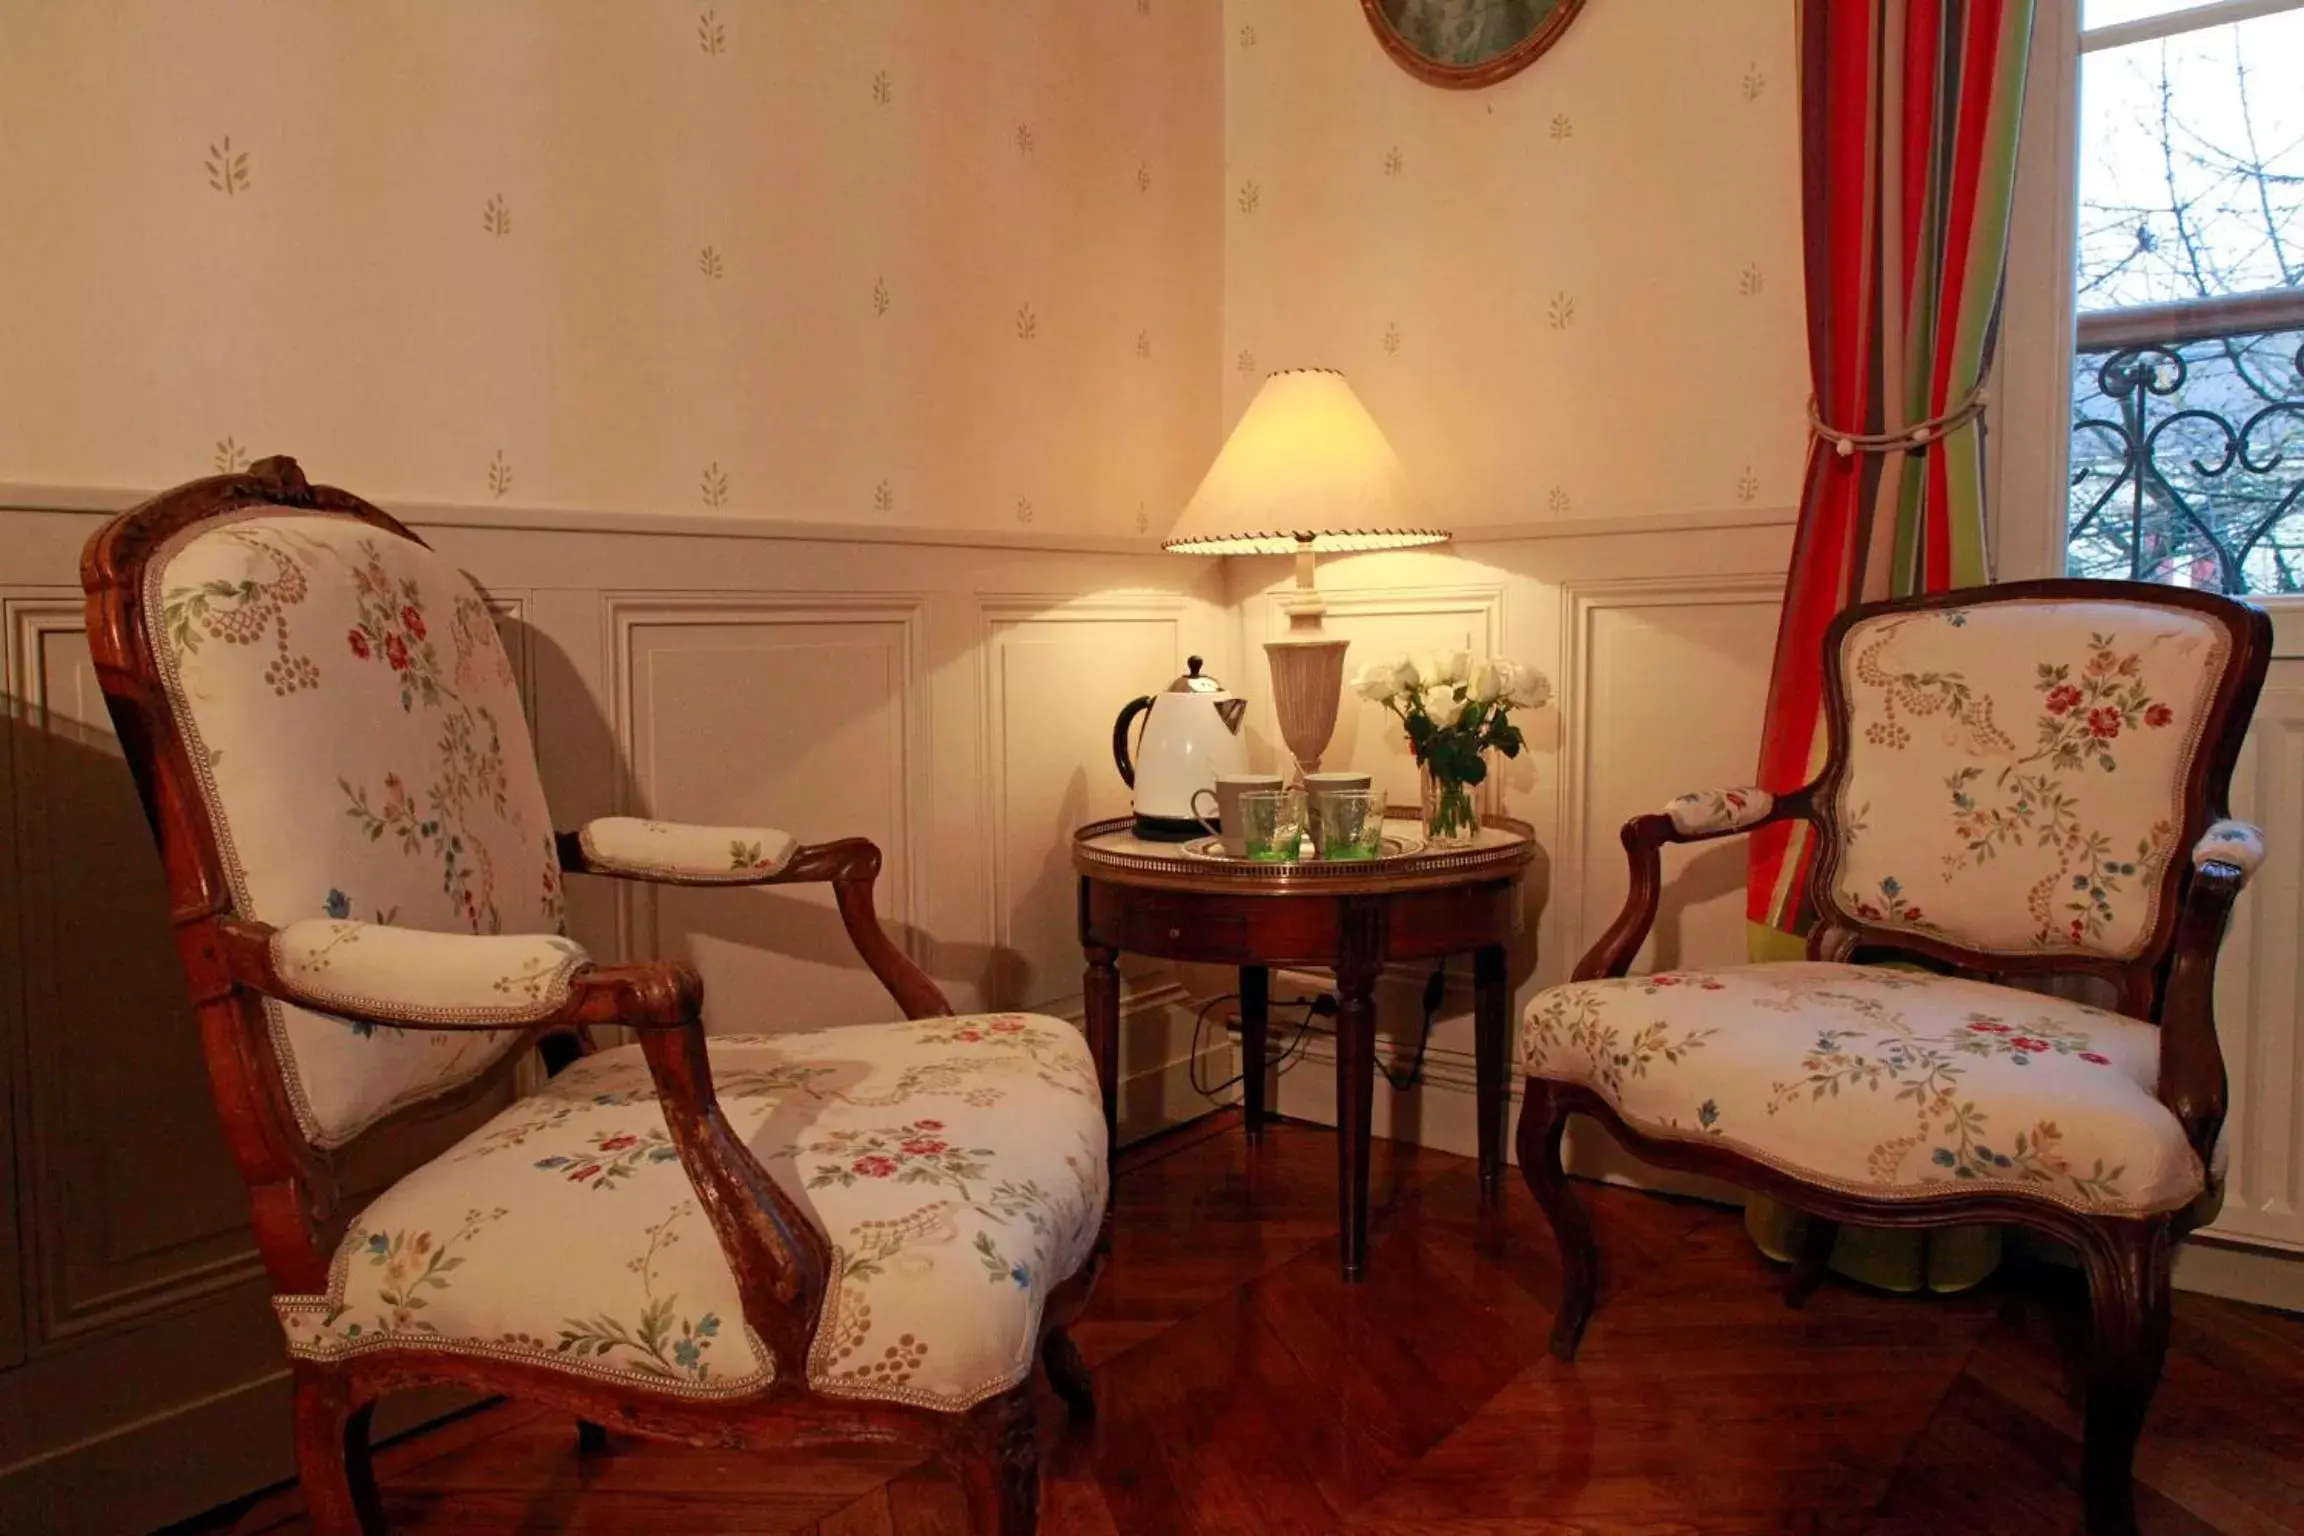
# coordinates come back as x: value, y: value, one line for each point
x: 1451, y: 811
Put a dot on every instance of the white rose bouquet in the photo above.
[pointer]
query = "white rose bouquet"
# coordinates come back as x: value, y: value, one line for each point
x: 1456, y: 710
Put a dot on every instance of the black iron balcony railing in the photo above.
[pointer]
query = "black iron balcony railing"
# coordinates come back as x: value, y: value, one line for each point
x: 2188, y: 444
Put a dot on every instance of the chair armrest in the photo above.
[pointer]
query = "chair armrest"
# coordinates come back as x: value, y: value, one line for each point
x: 386, y: 977
x: 1707, y: 813
x: 414, y: 977
x: 2192, y: 1077
x: 404, y: 978
x: 2237, y: 845
x: 850, y: 865
x: 677, y: 852
x: 1699, y: 817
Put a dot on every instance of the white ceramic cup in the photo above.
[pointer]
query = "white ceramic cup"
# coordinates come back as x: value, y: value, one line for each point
x: 1318, y: 786
x: 1226, y: 822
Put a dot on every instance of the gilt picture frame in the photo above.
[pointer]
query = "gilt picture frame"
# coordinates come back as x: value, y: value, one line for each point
x: 1466, y: 44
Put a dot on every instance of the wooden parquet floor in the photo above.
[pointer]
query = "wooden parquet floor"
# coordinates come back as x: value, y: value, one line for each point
x: 1246, y: 1389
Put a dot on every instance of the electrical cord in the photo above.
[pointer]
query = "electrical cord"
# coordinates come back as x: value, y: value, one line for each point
x: 1435, y: 991
x: 1313, y: 1007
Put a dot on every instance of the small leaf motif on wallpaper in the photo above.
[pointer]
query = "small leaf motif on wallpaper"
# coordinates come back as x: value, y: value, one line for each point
x: 1391, y: 340
x: 1563, y: 127
x: 1754, y: 83
x: 1143, y: 343
x: 883, y: 89
x: 1557, y: 499
x: 1251, y: 197
x: 499, y: 475
x: 1024, y: 138
x: 884, y: 497
x: 1143, y: 176
x: 708, y: 262
x: 1749, y: 282
x: 1561, y: 312
x: 1247, y: 37
x: 1394, y: 161
x: 1023, y: 509
x: 496, y: 217
x: 227, y: 168
x: 1747, y: 485
x: 714, y: 485
x: 1247, y: 362
x: 1027, y: 323
x: 231, y: 458
x: 880, y: 299
x: 1143, y: 519
x: 711, y: 34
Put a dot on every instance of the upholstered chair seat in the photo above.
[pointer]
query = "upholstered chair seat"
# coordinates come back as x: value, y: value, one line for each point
x: 1885, y: 1083
x: 956, y: 1164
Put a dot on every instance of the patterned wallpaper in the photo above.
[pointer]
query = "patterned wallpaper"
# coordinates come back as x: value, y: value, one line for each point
x: 1576, y: 294
x: 880, y: 261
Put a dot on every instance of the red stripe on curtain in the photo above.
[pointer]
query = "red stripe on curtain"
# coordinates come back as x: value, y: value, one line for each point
x: 1907, y: 156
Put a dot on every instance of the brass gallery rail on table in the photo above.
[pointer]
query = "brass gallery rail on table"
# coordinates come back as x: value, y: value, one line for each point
x: 1155, y: 899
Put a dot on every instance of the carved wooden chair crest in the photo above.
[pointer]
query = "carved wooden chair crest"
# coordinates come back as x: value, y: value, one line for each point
x: 866, y: 1233
x: 2021, y: 781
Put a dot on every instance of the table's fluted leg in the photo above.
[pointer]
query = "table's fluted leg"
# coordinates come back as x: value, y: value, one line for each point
x: 1360, y: 956
x: 1100, y: 988
x: 1492, y: 1082
x: 1255, y: 1014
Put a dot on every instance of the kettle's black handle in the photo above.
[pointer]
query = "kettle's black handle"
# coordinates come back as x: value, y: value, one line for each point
x: 1120, y: 738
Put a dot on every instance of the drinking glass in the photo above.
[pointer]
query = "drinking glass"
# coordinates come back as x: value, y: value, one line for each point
x: 1352, y: 824
x: 1272, y: 825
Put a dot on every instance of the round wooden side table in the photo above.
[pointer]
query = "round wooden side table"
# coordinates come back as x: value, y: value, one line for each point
x: 1156, y: 899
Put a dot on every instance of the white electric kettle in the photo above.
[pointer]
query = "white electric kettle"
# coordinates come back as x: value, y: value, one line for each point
x: 1191, y: 737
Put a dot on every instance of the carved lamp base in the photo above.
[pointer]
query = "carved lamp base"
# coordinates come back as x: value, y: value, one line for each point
x: 1307, y: 686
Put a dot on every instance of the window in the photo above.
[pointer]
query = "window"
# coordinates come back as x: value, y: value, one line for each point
x: 2187, y: 422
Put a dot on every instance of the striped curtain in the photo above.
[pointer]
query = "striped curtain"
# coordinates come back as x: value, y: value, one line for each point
x: 1908, y: 118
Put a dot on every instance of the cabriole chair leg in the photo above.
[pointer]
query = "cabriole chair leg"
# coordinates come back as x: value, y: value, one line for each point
x: 995, y: 1453
x: 1068, y: 1374
x: 1543, y: 1122
x: 1808, y: 1270
x: 2128, y: 1280
x: 332, y: 1462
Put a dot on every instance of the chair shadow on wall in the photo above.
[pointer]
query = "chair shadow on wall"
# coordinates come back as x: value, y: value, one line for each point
x: 1011, y: 979
x: 1715, y: 872
x: 772, y: 922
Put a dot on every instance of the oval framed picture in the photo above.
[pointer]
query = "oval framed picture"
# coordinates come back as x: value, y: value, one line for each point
x: 1465, y: 44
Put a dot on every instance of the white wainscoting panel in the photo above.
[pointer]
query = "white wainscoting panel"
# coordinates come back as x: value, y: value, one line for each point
x: 1057, y: 673
x: 128, y: 1220
x: 1664, y: 682
x: 799, y: 712
x: 1384, y: 624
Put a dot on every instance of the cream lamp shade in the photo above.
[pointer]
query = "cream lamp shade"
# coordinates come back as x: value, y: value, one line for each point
x: 1305, y: 471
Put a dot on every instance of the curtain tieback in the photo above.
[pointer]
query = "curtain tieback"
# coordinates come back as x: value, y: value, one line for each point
x: 1909, y: 439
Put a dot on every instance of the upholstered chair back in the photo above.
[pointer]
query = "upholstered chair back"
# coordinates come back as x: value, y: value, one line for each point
x: 360, y: 751
x: 2023, y: 776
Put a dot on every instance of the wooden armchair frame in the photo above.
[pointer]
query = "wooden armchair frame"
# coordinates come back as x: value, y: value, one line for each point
x: 2170, y: 983
x: 297, y: 1189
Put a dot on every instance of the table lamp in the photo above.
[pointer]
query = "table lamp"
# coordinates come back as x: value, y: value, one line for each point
x: 1305, y: 471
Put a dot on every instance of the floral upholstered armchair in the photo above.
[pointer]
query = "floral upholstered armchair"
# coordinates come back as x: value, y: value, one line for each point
x: 2021, y: 781
x: 864, y: 1233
